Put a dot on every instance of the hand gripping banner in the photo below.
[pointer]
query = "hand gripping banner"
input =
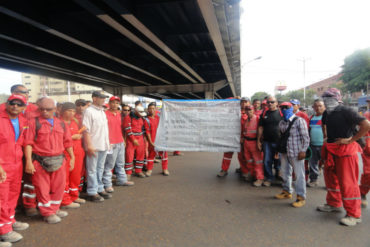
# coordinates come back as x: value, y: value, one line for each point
x: 199, y: 125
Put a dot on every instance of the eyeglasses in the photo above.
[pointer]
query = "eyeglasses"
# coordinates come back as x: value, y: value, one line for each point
x: 126, y: 110
x: 23, y: 92
x: 270, y: 102
x: 16, y: 103
x: 46, y: 109
x: 82, y: 104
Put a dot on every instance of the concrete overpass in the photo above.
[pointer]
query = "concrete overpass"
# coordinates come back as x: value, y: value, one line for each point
x: 154, y: 48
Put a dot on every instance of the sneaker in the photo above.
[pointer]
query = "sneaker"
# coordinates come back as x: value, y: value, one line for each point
x: 109, y: 190
x: 61, y: 214
x: 350, y: 221
x: 267, y: 183
x: 11, y: 237
x: 30, y: 212
x: 127, y: 183
x: 5, y: 244
x: 258, y: 183
x: 20, y: 226
x: 363, y: 201
x: 327, y: 208
x: 300, y: 202
x: 105, y: 195
x: 166, y: 173
x: 52, y: 219
x: 80, y: 201
x: 140, y: 175
x: 148, y: 173
x: 222, y: 173
x: 283, y: 195
x: 73, y: 205
x: 95, y: 198
x: 313, y: 184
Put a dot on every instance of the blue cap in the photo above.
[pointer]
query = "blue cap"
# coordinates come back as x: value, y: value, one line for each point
x: 295, y: 102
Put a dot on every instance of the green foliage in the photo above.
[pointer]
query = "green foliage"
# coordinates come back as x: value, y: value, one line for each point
x: 356, y: 70
x: 259, y: 95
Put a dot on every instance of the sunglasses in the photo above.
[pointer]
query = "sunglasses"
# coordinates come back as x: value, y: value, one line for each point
x: 23, y: 92
x: 82, y: 104
x: 16, y: 103
x: 46, y: 109
x: 270, y: 102
x: 126, y: 110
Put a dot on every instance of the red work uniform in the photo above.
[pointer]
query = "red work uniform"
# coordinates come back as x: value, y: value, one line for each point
x: 365, y: 178
x: 151, y: 125
x: 73, y: 178
x: 11, y: 161
x: 50, y: 141
x: 229, y: 155
x: 304, y: 116
x: 253, y: 156
x: 134, y: 129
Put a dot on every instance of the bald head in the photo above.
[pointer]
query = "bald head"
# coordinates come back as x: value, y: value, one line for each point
x: 47, y: 107
x: 271, y: 103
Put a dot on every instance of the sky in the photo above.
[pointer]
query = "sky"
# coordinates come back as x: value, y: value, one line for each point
x: 283, y: 32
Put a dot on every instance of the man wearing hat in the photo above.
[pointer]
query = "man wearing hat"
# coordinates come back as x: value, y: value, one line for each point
x: 133, y: 125
x: 116, y: 154
x: 96, y: 138
x: 296, y: 104
x: 12, y: 126
x: 340, y: 157
x: 81, y: 106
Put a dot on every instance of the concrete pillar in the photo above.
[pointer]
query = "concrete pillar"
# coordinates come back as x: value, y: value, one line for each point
x: 209, y: 95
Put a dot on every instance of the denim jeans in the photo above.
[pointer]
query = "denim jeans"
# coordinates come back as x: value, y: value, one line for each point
x: 269, y: 150
x: 314, y: 162
x: 115, y: 159
x: 94, y: 171
x: 287, y: 166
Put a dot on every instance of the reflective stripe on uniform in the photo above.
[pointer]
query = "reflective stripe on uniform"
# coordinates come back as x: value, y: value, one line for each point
x: 353, y: 198
x: 7, y: 223
x: 335, y: 190
x: 249, y: 161
x: 28, y: 186
x: 28, y: 195
x: 227, y: 158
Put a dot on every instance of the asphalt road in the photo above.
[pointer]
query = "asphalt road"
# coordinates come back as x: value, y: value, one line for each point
x: 192, y: 207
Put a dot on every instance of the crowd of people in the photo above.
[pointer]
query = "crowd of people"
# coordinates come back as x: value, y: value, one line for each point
x: 281, y: 143
x: 60, y: 150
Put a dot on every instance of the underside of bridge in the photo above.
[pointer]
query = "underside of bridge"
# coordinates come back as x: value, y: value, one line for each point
x: 155, y: 48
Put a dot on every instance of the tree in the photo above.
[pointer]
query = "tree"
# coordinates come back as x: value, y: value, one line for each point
x: 356, y: 71
x: 298, y: 94
x: 259, y: 95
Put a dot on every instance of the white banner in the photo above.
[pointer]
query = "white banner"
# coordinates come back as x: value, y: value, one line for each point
x: 199, y: 125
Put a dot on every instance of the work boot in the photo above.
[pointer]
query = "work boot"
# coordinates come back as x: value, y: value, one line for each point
x: 52, y: 219
x: 127, y: 183
x: 313, y: 184
x: 148, y: 173
x: 258, y: 183
x: 31, y: 212
x: 166, y: 173
x: 222, y: 174
x: 80, y: 201
x: 109, y: 190
x: 300, y: 202
x: 11, y: 237
x: 328, y: 209
x: 140, y: 175
x: 267, y: 183
x: 5, y: 244
x: 61, y: 214
x: 72, y: 205
x: 20, y: 226
x: 283, y: 195
x: 95, y: 198
x: 363, y: 201
x: 350, y: 221
x: 105, y: 195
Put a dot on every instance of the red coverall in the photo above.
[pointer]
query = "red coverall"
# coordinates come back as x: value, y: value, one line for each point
x: 73, y: 178
x: 83, y: 169
x: 50, y: 141
x: 365, y: 178
x: 341, y: 177
x: 253, y: 156
x: 152, y: 127
x: 229, y: 155
x: 11, y: 160
x: 134, y: 129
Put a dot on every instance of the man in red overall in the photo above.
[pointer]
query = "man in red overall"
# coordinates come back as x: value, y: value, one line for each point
x: 365, y: 178
x: 244, y: 101
x: 12, y: 125
x: 257, y: 107
x: 151, y: 126
x: 73, y: 177
x: 253, y: 156
x: 340, y: 157
x: 133, y: 125
x: 47, y: 136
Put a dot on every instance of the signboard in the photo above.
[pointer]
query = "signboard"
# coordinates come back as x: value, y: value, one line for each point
x: 199, y: 125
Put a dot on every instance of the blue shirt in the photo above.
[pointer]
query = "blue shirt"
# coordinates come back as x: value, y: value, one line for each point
x: 51, y: 121
x: 317, y: 137
x: 15, y: 123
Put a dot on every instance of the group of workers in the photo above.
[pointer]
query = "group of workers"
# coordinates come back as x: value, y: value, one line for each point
x: 280, y: 142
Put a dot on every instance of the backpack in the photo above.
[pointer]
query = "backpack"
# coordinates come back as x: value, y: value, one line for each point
x: 283, y: 140
x: 38, y: 126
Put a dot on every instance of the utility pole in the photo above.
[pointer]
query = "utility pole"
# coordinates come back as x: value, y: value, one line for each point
x: 303, y: 60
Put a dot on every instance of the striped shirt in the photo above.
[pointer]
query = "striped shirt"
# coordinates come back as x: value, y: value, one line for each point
x: 298, y: 140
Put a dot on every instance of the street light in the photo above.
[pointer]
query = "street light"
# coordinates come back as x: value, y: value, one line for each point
x: 254, y: 59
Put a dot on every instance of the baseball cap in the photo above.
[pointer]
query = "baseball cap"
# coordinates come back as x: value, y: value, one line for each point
x: 140, y: 110
x: 264, y: 102
x: 99, y: 94
x: 286, y: 104
x: 245, y: 99
x: 115, y: 98
x: 80, y: 102
x: 332, y: 93
x: 17, y: 97
x: 295, y: 101
x: 67, y: 106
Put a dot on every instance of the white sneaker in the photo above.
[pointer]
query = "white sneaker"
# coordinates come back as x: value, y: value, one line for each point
x: 52, y: 219
x: 5, y: 244
x: 11, y: 237
x: 328, y: 209
x: 61, y: 213
x: 73, y: 205
x: 20, y: 226
x: 350, y: 221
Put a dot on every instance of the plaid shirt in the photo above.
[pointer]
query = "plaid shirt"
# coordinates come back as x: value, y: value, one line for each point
x: 299, y: 139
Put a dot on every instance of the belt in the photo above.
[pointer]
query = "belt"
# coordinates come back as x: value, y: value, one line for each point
x: 250, y: 139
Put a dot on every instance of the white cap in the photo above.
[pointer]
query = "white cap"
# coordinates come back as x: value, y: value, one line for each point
x: 140, y: 110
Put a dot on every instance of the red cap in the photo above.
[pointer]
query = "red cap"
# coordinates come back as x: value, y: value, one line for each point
x: 264, y: 102
x: 106, y: 105
x: 248, y: 108
x: 286, y: 104
x: 17, y: 97
x: 115, y: 98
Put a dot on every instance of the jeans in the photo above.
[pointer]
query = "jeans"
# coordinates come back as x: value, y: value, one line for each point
x: 314, y: 162
x: 269, y: 150
x: 94, y: 171
x: 115, y: 159
x: 287, y: 166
